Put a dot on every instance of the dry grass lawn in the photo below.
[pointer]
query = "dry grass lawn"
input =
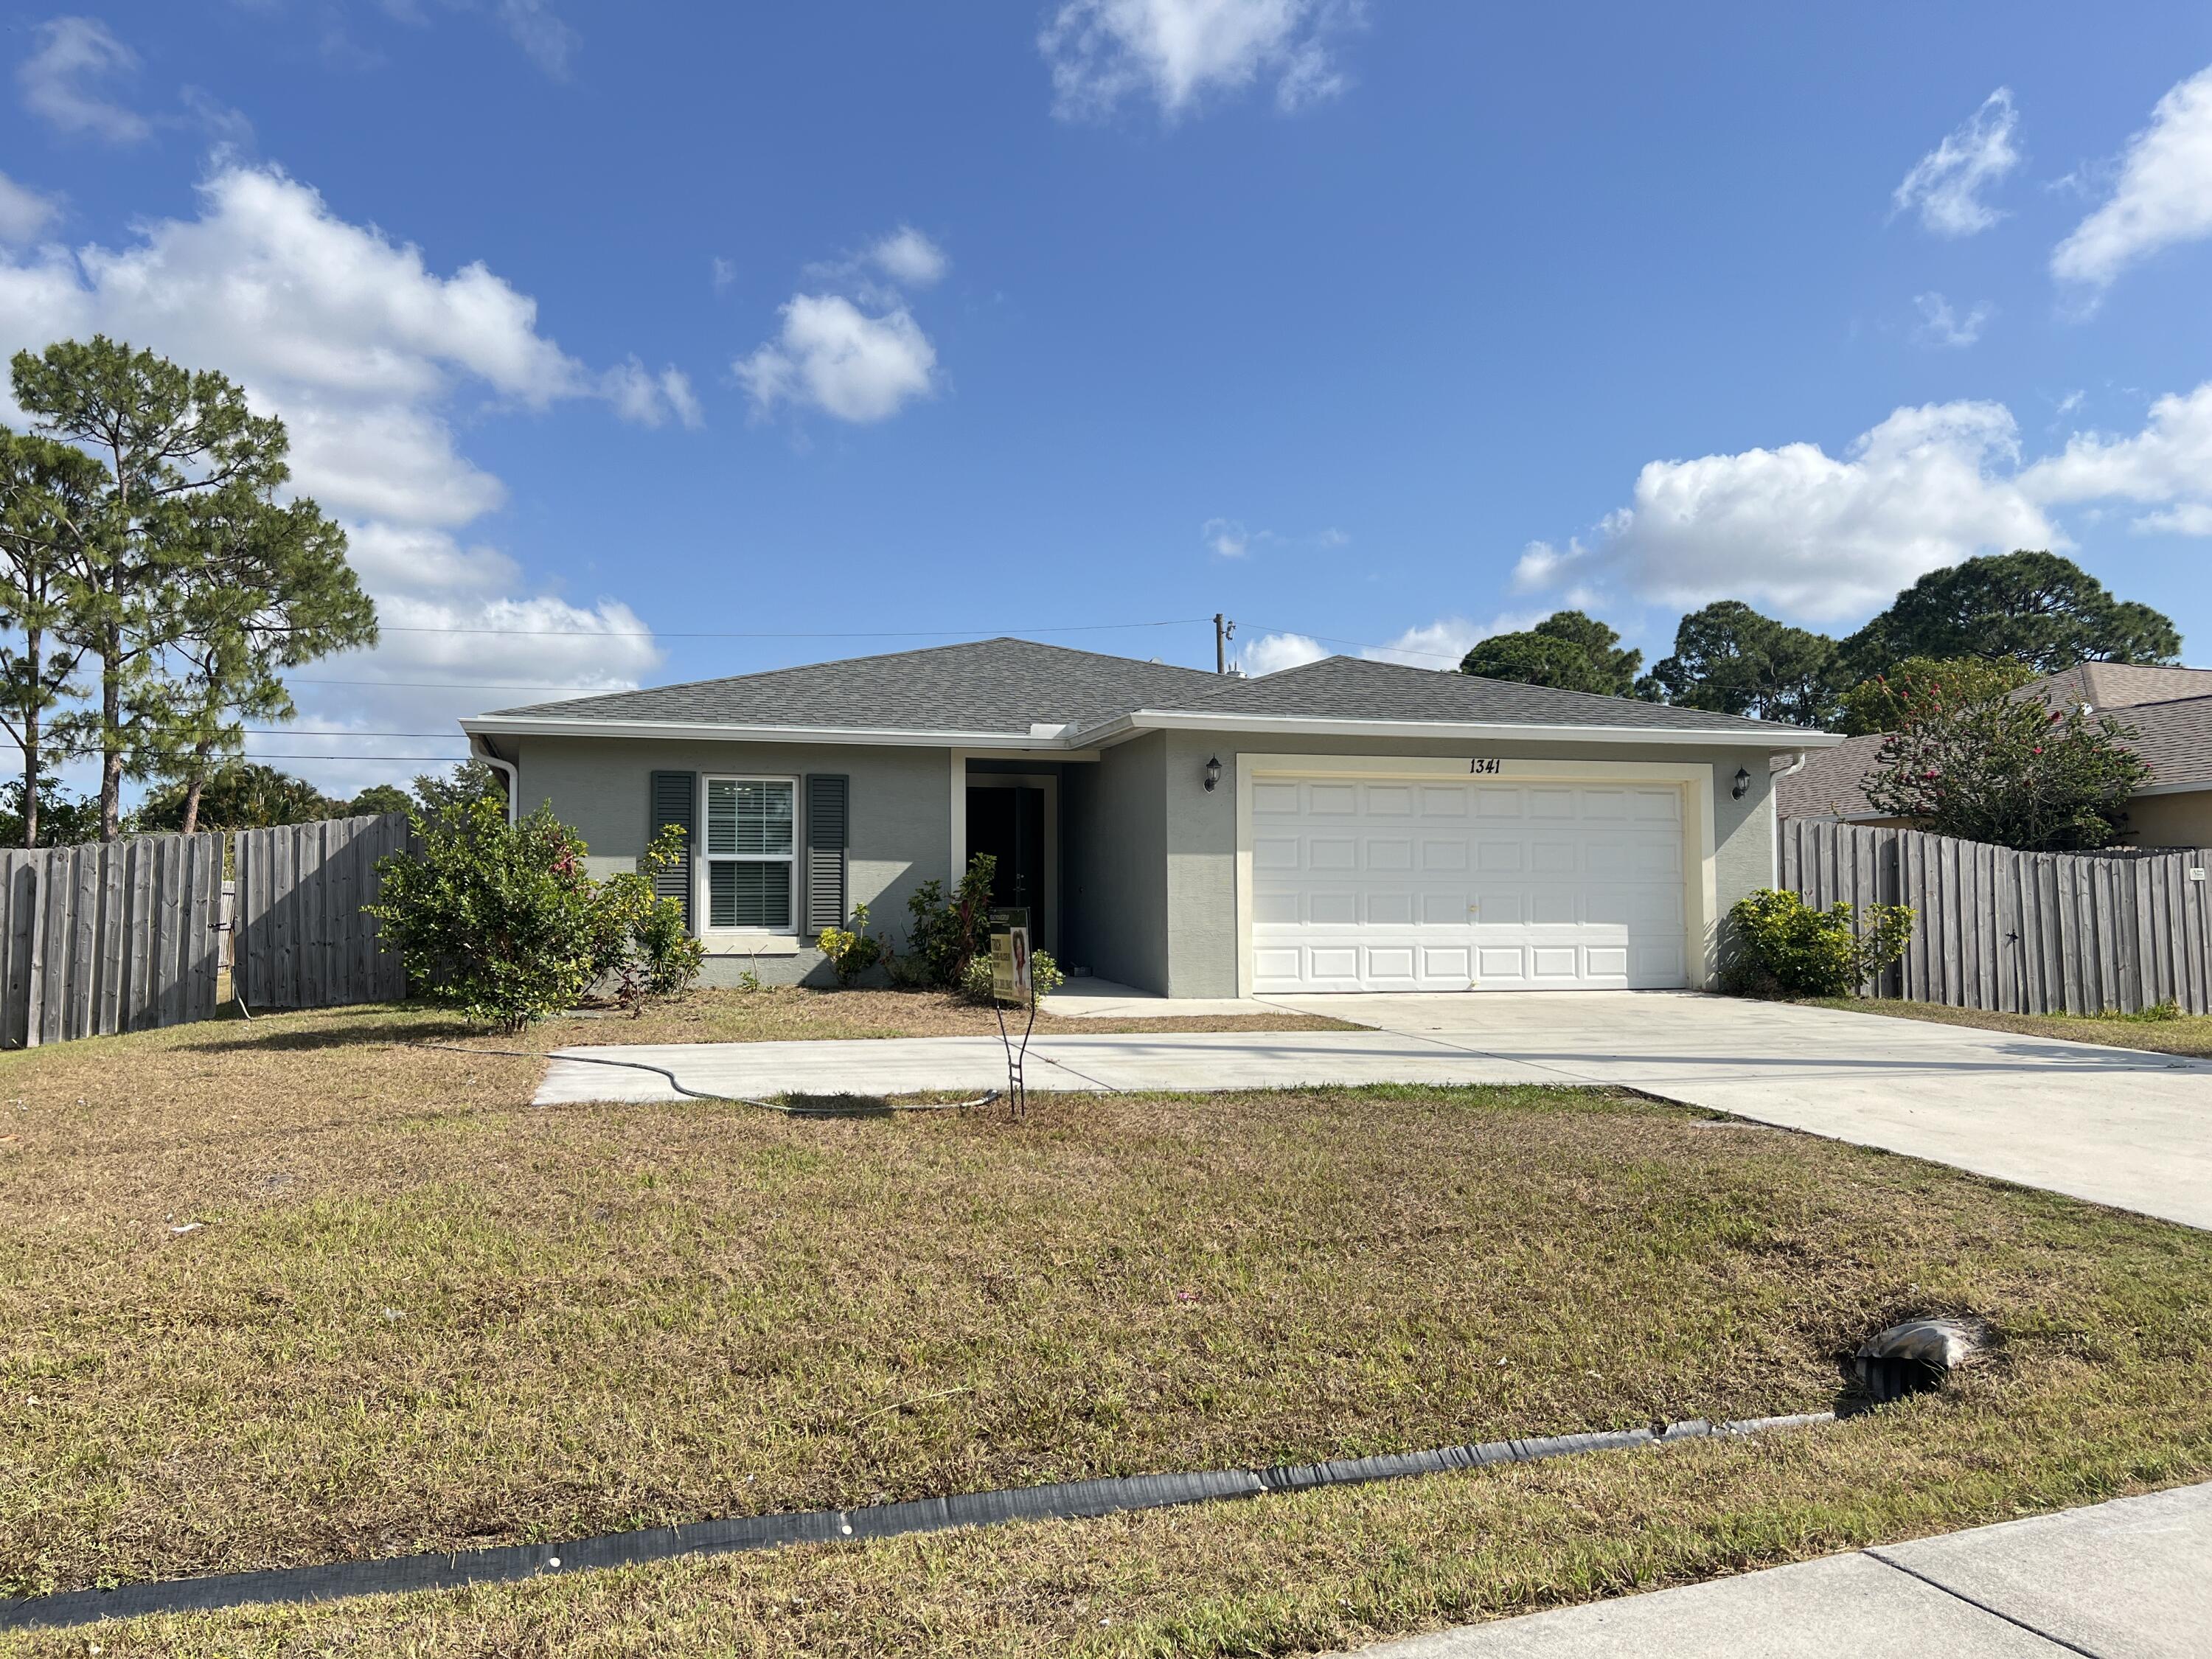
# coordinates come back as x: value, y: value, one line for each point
x: 2188, y: 1034
x: 790, y: 1013
x: 419, y: 1314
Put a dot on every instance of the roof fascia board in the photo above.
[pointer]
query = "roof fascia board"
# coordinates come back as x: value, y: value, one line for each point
x: 2174, y: 788
x: 1155, y: 719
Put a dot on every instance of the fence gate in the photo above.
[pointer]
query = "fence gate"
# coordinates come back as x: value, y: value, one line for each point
x: 301, y: 940
x: 115, y: 936
x: 2021, y: 932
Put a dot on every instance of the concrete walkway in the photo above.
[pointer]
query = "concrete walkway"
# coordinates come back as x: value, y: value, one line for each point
x: 2130, y: 1579
x: 2114, y: 1126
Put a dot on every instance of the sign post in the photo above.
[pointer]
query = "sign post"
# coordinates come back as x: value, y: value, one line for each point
x: 1012, y: 983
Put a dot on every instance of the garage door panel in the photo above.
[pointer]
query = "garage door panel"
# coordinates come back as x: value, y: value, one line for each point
x: 1442, y: 885
x: 1389, y: 853
x: 1389, y: 908
x: 1439, y: 854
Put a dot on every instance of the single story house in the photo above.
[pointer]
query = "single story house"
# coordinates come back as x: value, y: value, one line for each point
x: 2169, y: 710
x: 1347, y: 825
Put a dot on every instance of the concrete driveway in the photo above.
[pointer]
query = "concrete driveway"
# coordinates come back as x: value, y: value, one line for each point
x: 2115, y: 1125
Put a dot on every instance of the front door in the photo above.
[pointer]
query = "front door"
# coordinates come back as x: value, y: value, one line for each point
x: 1008, y: 822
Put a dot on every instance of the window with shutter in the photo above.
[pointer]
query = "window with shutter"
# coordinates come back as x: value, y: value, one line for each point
x: 750, y: 853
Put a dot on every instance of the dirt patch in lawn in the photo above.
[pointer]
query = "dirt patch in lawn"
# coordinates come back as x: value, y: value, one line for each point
x: 417, y: 1314
x: 793, y: 1014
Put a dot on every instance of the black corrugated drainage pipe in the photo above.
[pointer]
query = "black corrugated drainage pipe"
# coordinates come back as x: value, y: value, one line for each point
x: 1071, y: 1500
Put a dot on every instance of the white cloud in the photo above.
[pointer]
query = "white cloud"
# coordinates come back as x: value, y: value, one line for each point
x: 1227, y: 538
x: 2168, y: 464
x: 1178, y: 51
x: 56, y: 80
x: 907, y: 255
x: 365, y: 353
x: 721, y: 273
x: 2163, y: 197
x: 24, y: 214
x: 1941, y: 324
x: 545, y: 40
x: 834, y: 356
x: 1945, y: 185
x: 1444, y: 643
x: 1810, y: 534
x: 1272, y: 652
x: 652, y: 400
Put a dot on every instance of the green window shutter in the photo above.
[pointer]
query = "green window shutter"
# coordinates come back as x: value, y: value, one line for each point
x: 829, y: 832
x: 673, y: 797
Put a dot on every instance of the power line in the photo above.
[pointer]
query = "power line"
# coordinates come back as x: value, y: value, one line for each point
x: 454, y: 760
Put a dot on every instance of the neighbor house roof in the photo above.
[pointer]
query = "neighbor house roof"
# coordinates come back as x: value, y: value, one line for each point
x: 2120, y: 684
x: 2172, y: 736
x: 1017, y: 692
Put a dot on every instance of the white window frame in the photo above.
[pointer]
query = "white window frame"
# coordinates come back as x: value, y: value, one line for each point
x: 701, y: 879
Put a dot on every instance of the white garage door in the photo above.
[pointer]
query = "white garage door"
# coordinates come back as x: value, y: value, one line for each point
x: 1442, y: 885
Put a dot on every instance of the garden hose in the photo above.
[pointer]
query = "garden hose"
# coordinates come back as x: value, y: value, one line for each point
x: 677, y: 1083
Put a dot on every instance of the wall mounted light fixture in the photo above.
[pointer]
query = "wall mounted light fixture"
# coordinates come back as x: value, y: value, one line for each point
x: 1213, y: 773
x: 1742, y: 782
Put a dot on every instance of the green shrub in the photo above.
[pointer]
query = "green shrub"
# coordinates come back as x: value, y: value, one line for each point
x: 852, y: 951
x: 1045, y: 975
x: 500, y: 922
x: 1777, y: 945
x: 944, y: 934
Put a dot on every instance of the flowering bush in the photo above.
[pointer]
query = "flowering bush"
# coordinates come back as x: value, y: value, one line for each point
x: 500, y: 922
x: 1983, y: 765
x: 1777, y: 946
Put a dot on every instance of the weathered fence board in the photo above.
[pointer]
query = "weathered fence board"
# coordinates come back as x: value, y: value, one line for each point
x: 302, y: 941
x: 2027, y: 932
x: 117, y: 937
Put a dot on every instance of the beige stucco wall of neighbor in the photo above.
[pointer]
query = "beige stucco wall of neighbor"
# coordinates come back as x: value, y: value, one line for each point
x: 1203, y: 930
x: 1113, y: 878
x: 902, y: 819
x: 2181, y: 819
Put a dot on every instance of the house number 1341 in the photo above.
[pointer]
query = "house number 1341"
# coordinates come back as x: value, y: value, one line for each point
x: 1486, y: 767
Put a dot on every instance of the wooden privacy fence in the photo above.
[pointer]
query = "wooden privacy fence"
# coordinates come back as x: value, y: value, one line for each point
x: 123, y: 935
x: 2022, y: 932
x: 128, y: 935
x: 302, y: 941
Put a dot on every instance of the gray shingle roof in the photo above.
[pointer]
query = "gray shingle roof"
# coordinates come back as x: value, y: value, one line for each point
x: 1832, y: 784
x: 1007, y: 685
x: 2120, y: 685
x: 991, y: 685
x: 1355, y: 688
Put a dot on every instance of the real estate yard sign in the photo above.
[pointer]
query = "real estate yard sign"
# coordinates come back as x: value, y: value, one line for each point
x: 1009, y: 964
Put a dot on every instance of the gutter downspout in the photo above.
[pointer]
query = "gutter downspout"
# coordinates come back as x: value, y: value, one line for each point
x: 482, y: 749
x: 1774, y: 807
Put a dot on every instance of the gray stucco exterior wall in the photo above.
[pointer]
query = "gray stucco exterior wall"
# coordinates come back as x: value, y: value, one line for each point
x: 1114, y: 874
x: 901, y: 807
x: 1201, y: 830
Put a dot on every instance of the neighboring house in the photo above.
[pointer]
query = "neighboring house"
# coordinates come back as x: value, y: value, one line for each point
x: 1346, y: 825
x: 2169, y: 709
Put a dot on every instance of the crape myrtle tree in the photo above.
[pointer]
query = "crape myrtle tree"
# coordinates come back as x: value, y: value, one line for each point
x: 1982, y: 762
x: 192, y: 587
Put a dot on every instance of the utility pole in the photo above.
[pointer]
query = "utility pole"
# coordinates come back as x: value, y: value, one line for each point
x: 1224, y: 631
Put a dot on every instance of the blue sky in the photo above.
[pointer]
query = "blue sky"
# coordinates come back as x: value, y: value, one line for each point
x: 607, y: 329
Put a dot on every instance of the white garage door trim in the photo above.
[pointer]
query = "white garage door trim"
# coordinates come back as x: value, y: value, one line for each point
x: 1694, y: 780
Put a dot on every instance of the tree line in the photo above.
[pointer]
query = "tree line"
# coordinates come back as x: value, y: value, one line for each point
x: 154, y: 588
x: 2026, y: 613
